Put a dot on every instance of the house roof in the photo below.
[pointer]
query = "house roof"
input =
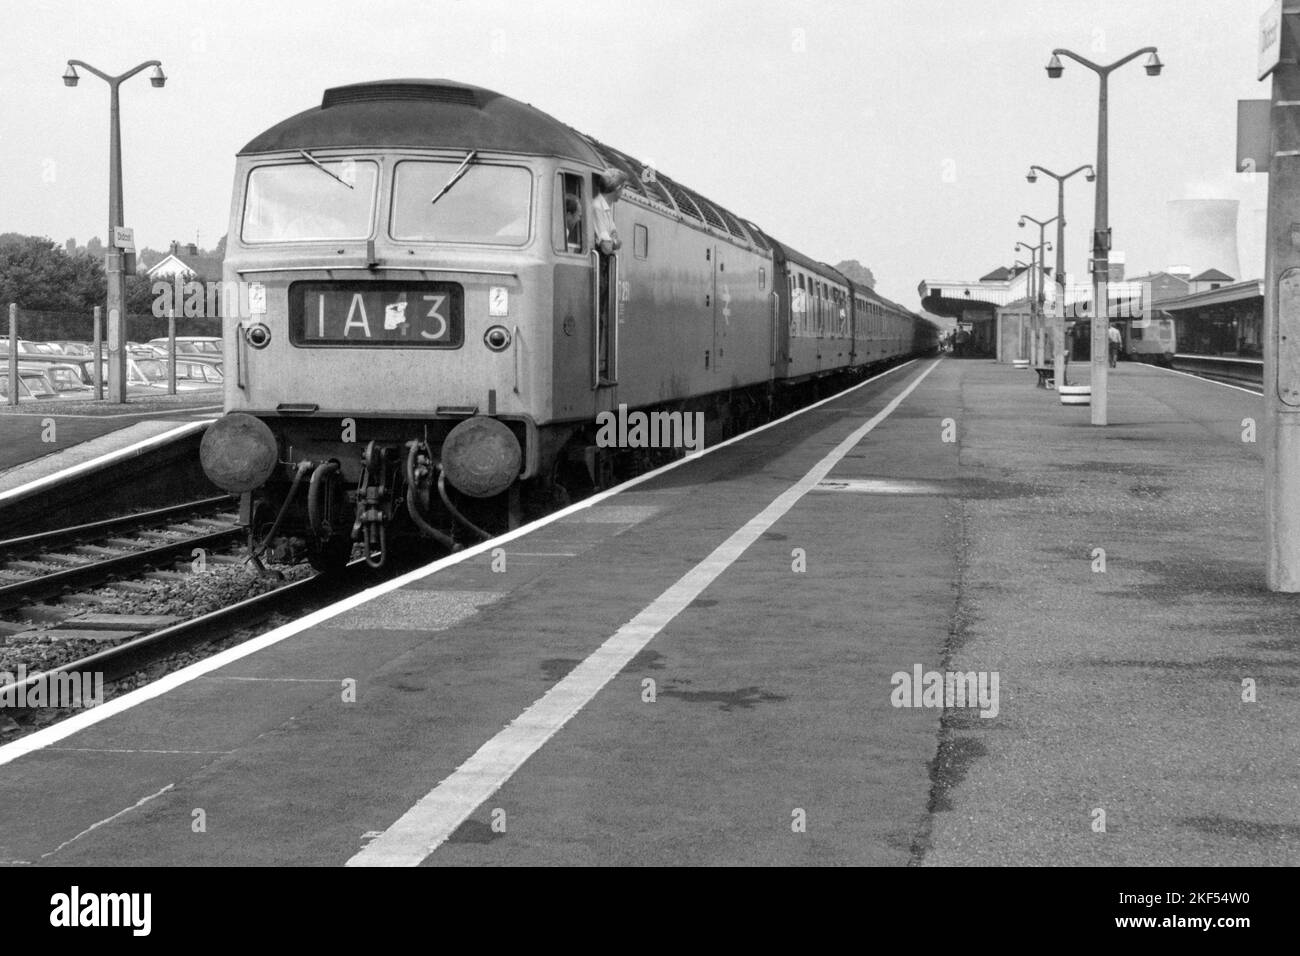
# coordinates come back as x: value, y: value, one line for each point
x: 1212, y: 275
x: 1000, y: 274
x: 204, y: 267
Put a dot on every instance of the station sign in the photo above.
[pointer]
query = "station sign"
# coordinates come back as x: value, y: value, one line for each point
x: 1270, y: 39
x: 124, y: 238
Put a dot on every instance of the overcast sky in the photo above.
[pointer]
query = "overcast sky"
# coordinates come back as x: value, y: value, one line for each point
x: 896, y: 132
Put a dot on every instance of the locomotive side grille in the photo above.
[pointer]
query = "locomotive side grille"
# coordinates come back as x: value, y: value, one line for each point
x: 372, y: 92
x: 733, y: 224
x: 710, y: 214
x: 680, y: 197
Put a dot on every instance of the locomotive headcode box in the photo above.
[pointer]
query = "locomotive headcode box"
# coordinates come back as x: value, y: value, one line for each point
x: 384, y: 314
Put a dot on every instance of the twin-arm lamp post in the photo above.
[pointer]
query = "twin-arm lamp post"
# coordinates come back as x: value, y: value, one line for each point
x: 1101, y: 240
x: 116, y: 273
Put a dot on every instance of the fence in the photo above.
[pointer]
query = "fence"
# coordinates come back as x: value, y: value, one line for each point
x: 37, y: 326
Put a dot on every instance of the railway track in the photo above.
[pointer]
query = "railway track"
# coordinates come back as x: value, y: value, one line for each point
x: 61, y: 563
x: 123, y: 597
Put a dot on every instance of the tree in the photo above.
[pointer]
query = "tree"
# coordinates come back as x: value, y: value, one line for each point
x: 856, y: 271
x: 39, y: 275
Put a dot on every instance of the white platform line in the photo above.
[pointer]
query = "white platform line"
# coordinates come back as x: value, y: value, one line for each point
x: 88, y: 718
x: 424, y: 827
x: 1202, y: 378
x: 129, y: 451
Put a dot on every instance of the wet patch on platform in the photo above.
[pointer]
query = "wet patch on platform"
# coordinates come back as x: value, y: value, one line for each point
x: 646, y: 660
x: 555, y: 669
x: 474, y: 831
x: 744, y: 698
x: 1129, y: 468
x: 949, y: 768
x: 409, y: 610
x: 1219, y: 825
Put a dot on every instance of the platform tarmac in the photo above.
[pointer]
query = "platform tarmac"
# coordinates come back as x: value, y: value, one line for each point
x: 704, y: 667
x: 26, y: 435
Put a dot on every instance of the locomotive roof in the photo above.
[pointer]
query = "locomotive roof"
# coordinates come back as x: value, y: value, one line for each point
x: 423, y: 114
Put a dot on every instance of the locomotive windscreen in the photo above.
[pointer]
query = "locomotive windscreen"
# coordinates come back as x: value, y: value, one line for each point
x: 302, y: 201
x: 385, y: 314
x: 488, y: 204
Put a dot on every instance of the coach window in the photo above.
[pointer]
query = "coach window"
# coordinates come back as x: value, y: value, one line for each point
x: 762, y: 278
x: 640, y: 241
x: 570, y: 219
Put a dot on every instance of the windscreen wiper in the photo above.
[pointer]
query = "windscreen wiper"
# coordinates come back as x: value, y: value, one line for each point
x: 455, y: 177
x: 315, y: 162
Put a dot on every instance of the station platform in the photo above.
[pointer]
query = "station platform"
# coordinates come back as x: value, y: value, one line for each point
x: 706, y: 666
x: 38, y: 440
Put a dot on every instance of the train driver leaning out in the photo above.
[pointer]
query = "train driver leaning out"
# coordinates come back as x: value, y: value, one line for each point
x: 608, y: 185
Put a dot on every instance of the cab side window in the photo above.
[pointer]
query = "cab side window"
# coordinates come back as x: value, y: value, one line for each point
x: 570, y: 214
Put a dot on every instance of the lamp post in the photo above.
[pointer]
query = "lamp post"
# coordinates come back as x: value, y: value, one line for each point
x: 115, y: 270
x: 1035, y: 257
x: 1058, y: 333
x: 1101, y: 225
x: 1040, y: 297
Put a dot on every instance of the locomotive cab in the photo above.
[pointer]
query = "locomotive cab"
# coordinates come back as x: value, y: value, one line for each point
x: 396, y: 253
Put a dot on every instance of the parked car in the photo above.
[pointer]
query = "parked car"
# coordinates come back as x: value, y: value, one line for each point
x: 63, y: 378
x: 191, y: 373
x: 73, y: 348
x: 201, y: 345
x: 134, y: 376
x: 32, y: 387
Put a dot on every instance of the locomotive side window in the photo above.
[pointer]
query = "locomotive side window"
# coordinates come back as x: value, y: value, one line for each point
x: 640, y: 241
x: 570, y: 215
x: 485, y: 204
x: 302, y: 202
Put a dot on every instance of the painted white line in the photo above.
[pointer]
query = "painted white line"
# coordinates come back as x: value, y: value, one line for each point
x: 424, y: 827
x: 129, y: 451
x: 1200, y: 378
x: 88, y: 718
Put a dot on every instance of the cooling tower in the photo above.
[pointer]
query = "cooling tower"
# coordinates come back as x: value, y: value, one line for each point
x: 1202, y: 234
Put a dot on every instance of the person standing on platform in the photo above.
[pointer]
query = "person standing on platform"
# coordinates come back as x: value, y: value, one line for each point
x: 1116, y: 342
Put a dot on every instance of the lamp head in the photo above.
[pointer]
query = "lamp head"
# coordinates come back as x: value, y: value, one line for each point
x: 70, y: 76
x: 1090, y: 175
x: 1054, y: 67
x: 1153, y: 65
x: 158, y: 78
x: 1021, y: 223
x: 1032, y: 177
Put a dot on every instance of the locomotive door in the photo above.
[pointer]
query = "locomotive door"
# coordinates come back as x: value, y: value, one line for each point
x: 721, y: 306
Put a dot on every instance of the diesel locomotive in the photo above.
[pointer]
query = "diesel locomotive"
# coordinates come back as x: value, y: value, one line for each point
x: 430, y: 325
